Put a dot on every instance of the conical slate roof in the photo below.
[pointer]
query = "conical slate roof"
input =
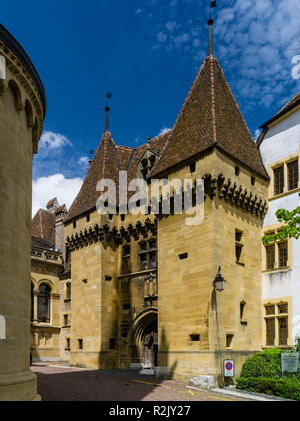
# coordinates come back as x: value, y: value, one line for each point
x: 210, y: 117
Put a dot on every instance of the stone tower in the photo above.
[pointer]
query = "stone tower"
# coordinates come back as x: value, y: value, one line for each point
x: 143, y: 292
x: 22, y: 110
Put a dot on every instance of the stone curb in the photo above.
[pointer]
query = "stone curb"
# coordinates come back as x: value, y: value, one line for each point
x: 250, y: 395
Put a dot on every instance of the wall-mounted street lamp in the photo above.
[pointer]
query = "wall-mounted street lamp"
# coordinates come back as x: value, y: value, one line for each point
x: 219, y: 282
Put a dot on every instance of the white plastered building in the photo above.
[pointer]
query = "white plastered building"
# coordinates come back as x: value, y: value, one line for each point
x: 279, y: 146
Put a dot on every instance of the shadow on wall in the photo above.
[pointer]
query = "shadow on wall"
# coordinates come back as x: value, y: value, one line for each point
x: 167, y: 369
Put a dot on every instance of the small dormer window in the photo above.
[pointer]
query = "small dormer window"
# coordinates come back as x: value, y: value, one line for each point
x: 192, y: 167
x: 146, y: 163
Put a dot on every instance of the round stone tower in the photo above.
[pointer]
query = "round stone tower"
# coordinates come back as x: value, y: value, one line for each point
x: 22, y: 111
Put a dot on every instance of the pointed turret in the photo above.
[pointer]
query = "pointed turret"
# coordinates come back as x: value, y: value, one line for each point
x: 104, y: 165
x: 210, y: 117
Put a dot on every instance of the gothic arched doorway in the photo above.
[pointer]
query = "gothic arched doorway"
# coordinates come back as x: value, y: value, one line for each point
x: 144, y: 339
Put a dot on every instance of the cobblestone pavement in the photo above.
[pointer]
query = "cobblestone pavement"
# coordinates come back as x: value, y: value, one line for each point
x: 56, y: 383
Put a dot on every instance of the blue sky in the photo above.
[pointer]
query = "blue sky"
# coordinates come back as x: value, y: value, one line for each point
x: 147, y: 53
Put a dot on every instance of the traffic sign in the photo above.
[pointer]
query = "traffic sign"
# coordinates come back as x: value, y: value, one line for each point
x: 229, y: 368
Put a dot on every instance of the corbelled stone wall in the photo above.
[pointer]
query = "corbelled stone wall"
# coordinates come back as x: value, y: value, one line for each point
x: 21, y: 121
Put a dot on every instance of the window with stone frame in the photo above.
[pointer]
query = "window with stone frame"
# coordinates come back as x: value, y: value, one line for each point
x: 238, y: 245
x: 270, y: 310
x: 278, y: 180
x: 270, y: 257
x: 283, y: 254
x: 68, y: 291
x: 148, y: 254
x: 282, y: 308
x: 44, y: 304
x: 126, y: 267
x: 293, y: 174
x: 112, y: 343
x: 276, y: 319
x: 270, y: 331
x: 67, y: 344
x: 283, y: 330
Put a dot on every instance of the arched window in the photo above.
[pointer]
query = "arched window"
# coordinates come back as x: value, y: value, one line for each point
x: 44, y: 303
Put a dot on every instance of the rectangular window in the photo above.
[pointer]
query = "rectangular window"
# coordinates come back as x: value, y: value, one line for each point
x: 283, y: 254
x: 270, y: 310
x: 293, y: 174
x: 143, y: 261
x: 242, y: 309
x: 278, y: 180
x: 238, y: 235
x: 126, y: 259
x: 283, y: 330
x: 148, y: 254
x: 112, y: 344
x: 68, y: 290
x: 229, y: 340
x: 194, y: 338
x: 183, y: 256
x: 270, y: 332
x: 282, y: 308
x: 238, y: 245
x: 67, y: 346
x: 192, y: 167
x: 66, y: 320
x: 153, y: 262
x: 270, y: 254
x: 80, y: 343
x: 238, y: 252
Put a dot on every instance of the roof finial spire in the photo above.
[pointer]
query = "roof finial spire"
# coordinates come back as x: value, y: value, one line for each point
x: 210, y: 24
x: 107, y: 109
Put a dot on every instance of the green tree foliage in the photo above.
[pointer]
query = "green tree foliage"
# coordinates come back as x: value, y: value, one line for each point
x: 291, y: 229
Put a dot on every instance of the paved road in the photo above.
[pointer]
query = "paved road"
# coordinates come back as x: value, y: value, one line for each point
x: 69, y: 384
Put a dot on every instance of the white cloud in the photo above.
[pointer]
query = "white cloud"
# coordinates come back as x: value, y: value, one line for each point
x: 50, y: 140
x: 181, y: 39
x: 163, y: 131
x: 254, y: 41
x: 161, y: 37
x: 84, y: 161
x: 138, y: 11
x: 171, y: 25
x: 256, y: 134
x: 45, y: 188
x: 258, y: 39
